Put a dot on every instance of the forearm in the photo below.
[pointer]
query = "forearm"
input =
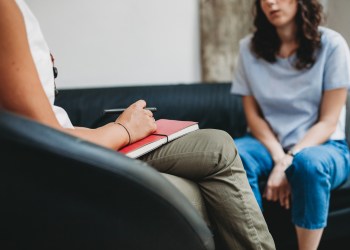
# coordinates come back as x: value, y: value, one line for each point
x: 111, y: 135
x: 332, y: 103
x: 262, y: 131
x: 318, y: 134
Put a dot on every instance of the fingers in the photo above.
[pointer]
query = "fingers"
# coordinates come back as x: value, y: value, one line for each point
x: 149, y: 113
x: 287, y: 202
x: 280, y: 195
x: 270, y: 194
x: 137, y: 109
x: 284, y: 196
x: 284, y: 200
x: 140, y: 104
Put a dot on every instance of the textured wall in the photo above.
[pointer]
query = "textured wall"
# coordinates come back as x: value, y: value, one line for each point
x: 339, y: 18
x: 222, y: 24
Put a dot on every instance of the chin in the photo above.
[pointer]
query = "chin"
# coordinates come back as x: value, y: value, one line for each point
x: 278, y: 23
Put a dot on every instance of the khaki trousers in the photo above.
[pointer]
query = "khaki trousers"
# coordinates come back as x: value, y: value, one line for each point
x: 209, y: 158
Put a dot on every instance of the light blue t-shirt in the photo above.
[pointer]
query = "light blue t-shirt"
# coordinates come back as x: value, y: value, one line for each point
x: 289, y: 98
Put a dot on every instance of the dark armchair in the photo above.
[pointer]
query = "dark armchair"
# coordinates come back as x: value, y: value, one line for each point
x: 59, y: 192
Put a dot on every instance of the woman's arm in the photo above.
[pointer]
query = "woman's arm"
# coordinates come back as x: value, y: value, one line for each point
x: 20, y: 87
x: 21, y: 90
x: 138, y: 122
x: 277, y: 187
x: 261, y: 129
x: 331, y: 106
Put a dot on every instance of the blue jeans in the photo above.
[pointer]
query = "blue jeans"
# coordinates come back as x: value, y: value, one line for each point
x: 315, y: 171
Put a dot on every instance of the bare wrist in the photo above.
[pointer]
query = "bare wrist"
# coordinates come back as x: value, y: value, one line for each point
x: 284, y: 162
x: 277, y: 158
x: 293, y: 151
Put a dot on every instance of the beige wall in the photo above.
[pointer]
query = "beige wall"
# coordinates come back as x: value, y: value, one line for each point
x: 338, y: 17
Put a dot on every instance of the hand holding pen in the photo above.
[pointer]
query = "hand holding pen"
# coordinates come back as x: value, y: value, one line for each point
x: 137, y: 120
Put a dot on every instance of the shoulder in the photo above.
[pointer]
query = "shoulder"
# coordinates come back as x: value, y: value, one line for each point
x: 245, y: 43
x: 246, y: 40
x: 331, y: 38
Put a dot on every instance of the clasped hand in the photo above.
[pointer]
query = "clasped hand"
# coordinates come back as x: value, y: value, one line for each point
x: 277, y: 187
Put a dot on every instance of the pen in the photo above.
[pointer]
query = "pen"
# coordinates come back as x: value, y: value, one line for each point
x: 121, y: 110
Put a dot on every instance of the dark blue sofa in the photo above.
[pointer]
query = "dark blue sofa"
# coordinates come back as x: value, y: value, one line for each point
x: 212, y: 106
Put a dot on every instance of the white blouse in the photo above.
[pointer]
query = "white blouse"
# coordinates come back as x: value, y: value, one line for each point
x: 42, y: 59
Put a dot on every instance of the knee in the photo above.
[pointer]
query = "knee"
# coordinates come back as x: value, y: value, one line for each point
x: 308, y: 165
x: 223, y: 146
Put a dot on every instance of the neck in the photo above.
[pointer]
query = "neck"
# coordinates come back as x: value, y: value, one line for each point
x: 287, y: 35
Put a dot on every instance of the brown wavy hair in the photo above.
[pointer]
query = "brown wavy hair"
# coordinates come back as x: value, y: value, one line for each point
x: 266, y: 43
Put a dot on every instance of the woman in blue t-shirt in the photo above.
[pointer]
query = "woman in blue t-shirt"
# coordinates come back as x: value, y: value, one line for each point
x: 293, y: 76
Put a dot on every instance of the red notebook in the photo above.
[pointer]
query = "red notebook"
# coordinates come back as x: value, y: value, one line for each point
x: 167, y: 130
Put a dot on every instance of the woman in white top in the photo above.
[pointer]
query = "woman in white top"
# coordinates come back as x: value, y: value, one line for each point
x: 206, y: 156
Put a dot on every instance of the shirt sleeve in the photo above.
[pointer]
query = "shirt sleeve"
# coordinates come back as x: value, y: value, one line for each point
x: 337, y: 66
x: 240, y: 81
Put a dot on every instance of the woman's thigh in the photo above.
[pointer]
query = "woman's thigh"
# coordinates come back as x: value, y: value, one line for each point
x: 330, y: 161
x: 195, y: 155
x: 315, y: 171
x: 255, y: 156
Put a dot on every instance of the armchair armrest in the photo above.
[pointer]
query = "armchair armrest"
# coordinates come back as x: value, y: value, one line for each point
x: 59, y: 192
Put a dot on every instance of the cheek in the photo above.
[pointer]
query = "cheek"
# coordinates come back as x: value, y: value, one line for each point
x: 295, y: 12
x: 264, y: 10
x: 294, y: 6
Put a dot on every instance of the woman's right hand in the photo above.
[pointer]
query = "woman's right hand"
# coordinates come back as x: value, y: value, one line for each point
x: 138, y: 121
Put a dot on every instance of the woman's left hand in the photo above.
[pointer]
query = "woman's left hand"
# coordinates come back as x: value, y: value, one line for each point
x: 278, y: 188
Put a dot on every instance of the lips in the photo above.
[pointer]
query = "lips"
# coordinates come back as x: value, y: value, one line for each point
x: 273, y: 13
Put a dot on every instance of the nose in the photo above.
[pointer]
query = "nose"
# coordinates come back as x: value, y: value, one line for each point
x: 270, y: 2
